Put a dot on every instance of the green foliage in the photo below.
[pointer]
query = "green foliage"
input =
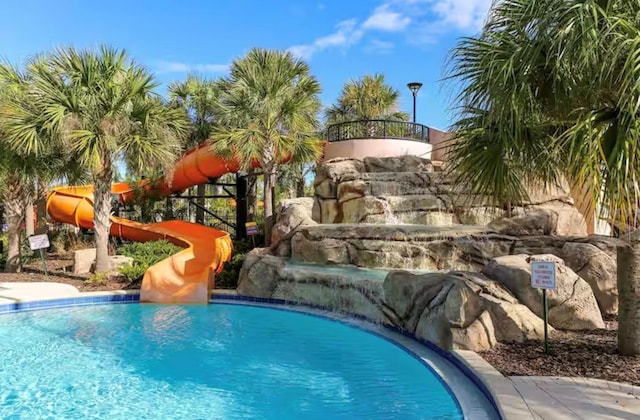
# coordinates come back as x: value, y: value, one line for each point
x: 64, y: 241
x: 268, y: 111
x: 132, y: 272
x: 550, y: 89
x: 369, y: 97
x: 144, y: 254
x: 149, y: 253
x: 98, y: 279
x: 228, y: 277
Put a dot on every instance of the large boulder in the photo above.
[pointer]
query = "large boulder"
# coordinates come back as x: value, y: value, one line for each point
x: 598, y: 269
x: 291, y: 214
x: 439, y: 309
x: 559, y: 218
x: 572, y: 305
x: 458, y: 310
x: 259, y: 275
x: 512, y: 321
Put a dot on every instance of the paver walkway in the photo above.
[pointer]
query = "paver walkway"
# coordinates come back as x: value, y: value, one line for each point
x: 559, y: 398
x: 11, y: 292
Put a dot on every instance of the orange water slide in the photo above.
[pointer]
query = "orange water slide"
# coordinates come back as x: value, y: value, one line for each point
x: 186, y: 277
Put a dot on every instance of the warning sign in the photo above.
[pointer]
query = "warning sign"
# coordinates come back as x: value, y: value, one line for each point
x: 543, y: 274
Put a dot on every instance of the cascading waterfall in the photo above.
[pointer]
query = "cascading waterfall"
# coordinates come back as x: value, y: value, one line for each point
x: 389, y: 217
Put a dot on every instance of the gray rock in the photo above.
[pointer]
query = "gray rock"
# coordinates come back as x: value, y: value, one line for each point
x: 553, y: 218
x: 572, y: 304
x: 290, y: 214
x: 397, y: 164
x: 259, y: 275
x: 598, y: 269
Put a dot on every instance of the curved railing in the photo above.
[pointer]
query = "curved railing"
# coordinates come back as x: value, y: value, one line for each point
x: 377, y: 129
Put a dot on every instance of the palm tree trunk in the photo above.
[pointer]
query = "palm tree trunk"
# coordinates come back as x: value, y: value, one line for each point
x: 200, y: 192
x: 252, y: 196
x: 629, y: 297
x: 300, y: 186
x: 14, y: 210
x: 269, y: 202
x: 41, y: 206
x: 102, y: 216
x: 29, y: 214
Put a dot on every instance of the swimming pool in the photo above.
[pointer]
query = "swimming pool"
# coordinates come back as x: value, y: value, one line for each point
x: 201, y: 362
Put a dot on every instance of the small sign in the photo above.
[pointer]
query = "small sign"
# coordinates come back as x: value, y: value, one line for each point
x: 252, y: 228
x: 543, y: 274
x: 39, y: 242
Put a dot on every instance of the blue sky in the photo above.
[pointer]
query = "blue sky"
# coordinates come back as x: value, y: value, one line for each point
x: 407, y: 40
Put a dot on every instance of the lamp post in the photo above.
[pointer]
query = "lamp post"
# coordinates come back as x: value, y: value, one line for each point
x: 414, y: 87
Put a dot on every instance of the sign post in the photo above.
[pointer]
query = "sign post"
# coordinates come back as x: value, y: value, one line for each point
x: 40, y: 243
x: 543, y: 276
x: 252, y: 230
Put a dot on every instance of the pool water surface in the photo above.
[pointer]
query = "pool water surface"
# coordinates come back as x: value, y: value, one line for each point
x: 220, y: 361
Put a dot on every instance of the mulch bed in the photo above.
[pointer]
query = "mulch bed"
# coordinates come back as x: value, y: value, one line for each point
x: 590, y: 354
x: 59, y: 271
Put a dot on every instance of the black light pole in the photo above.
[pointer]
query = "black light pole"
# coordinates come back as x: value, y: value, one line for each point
x: 414, y: 87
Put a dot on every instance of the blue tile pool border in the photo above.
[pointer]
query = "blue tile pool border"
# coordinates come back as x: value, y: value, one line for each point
x: 71, y: 301
x: 128, y: 298
x: 447, y: 355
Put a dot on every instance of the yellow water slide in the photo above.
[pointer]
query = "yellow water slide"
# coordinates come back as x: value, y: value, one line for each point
x: 186, y: 277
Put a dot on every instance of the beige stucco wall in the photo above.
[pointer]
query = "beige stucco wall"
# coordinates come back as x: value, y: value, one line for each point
x: 439, y: 143
x: 360, y: 149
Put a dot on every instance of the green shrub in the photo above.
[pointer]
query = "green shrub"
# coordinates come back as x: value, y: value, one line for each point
x: 149, y: 253
x: 98, y: 279
x: 228, y: 277
x: 132, y: 272
x: 144, y: 254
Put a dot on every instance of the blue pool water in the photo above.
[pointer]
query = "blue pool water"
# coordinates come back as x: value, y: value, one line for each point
x: 207, y: 362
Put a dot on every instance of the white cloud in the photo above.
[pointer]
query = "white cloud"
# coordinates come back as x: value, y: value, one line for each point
x: 346, y: 34
x: 463, y: 14
x: 178, y: 67
x: 421, y: 21
x: 379, y: 47
x: 385, y: 19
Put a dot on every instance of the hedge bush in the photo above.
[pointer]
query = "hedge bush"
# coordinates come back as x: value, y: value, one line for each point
x: 144, y: 254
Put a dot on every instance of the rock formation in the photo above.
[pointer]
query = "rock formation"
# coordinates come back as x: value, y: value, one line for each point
x: 456, y: 310
x: 345, y: 250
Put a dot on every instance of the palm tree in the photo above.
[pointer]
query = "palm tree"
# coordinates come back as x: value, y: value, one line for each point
x: 268, y: 108
x: 550, y: 89
x: 101, y: 106
x: 198, y: 96
x: 367, y: 98
x: 22, y: 169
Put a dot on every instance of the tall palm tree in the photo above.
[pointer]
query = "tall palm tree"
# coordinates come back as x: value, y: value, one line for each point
x: 550, y: 89
x: 198, y: 96
x: 101, y: 106
x: 367, y: 98
x: 268, y: 108
x: 21, y: 168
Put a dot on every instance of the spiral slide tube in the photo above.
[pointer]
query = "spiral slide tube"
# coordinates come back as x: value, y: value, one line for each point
x: 186, y: 277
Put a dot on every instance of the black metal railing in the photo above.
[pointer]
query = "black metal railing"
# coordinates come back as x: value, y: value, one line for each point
x: 377, y: 129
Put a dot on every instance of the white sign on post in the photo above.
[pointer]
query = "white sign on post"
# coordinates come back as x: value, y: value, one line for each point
x: 543, y: 274
x: 38, y: 242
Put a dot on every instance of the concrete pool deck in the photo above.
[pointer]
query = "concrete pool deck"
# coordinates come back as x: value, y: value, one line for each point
x: 517, y: 397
